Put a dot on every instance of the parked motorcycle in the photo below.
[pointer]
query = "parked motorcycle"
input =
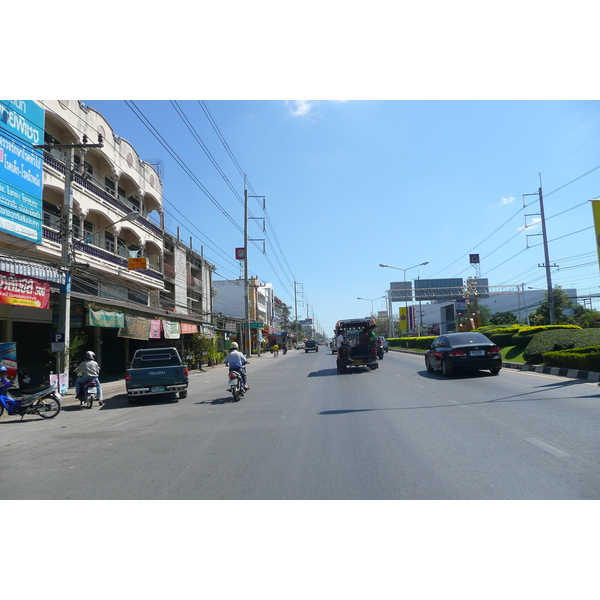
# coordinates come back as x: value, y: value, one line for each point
x: 46, y: 403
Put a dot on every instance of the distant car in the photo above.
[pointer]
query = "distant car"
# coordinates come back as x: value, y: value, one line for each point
x: 311, y: 345
x: 463, y: 351
x: 383, y: 343
x: 300, y: 346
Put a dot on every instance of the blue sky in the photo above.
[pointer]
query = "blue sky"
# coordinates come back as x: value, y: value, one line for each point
x: 349, y: 185
x: 452, y: 112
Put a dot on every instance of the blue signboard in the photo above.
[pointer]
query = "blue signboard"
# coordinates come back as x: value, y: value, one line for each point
x: 21, y: 167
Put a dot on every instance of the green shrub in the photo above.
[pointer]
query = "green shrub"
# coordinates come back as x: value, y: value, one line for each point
x: 559, y: 339
x: 500, y: 339
x: 412, y: 342
x: 586, y: 359
x: 526, y: 334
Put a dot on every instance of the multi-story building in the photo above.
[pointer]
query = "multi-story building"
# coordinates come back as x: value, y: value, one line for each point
x: 230, y: 300
x: 113, y: 202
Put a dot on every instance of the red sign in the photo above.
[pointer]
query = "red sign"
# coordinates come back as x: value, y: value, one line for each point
x: 188, y: 328
x: 19, y: 290
x: 240, y: 253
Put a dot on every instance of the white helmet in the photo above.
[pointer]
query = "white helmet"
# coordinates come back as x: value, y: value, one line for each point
x: 90, y: 355
x: 233, y: 346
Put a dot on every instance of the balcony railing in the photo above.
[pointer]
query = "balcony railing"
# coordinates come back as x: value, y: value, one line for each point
x: 101, y: 193
x: 98, y: 253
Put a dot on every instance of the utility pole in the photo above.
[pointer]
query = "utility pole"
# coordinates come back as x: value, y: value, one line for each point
x: 547, y: 259
x: 547, y: 265
x: 67, y: 251
x: 248, y: 335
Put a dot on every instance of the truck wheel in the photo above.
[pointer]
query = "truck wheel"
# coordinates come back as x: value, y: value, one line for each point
x: 183, y: 394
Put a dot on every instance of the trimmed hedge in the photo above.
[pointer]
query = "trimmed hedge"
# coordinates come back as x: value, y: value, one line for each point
x: 422, y: 342
x: 586, y: 359
x: 525, y: 334
x: 554, y: 340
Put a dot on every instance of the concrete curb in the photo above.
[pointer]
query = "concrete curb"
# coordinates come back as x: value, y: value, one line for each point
x: 559, y: 371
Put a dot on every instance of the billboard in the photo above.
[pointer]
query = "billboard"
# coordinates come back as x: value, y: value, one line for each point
x: 400, y: 291
x: 21, y: 181
x: 439, y: 289
x: 19, y: 290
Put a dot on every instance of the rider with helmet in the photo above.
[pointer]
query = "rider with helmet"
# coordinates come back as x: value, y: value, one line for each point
x: 88, y: 370
x: 236, y: 361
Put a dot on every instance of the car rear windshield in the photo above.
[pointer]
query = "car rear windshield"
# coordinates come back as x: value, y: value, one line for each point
x: 155, y: 360
x: 468, y: 338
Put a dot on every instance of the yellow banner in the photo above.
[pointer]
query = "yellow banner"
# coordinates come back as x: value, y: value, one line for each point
x: 137, y: 263
x: 596, y: 212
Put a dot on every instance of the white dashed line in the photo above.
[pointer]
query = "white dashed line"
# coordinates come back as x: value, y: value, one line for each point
x: 551, y: 449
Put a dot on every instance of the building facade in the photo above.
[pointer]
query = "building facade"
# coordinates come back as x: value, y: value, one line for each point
x: 79, y: 210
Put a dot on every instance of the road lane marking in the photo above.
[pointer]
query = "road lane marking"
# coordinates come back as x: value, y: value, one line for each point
x: 551, y: 449
x: 457, y: 403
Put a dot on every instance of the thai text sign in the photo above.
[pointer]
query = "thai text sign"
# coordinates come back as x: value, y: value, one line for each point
x: 19, y: 290
x: 21, y: 126
x: 137, y: 263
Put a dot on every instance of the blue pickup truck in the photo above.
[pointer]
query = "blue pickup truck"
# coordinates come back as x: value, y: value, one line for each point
x: 156, y: 371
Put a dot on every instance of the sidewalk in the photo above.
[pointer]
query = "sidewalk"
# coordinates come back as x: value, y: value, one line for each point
x: 116, y: 387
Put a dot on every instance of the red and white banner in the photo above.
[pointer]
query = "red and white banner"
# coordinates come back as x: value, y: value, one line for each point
x: 19, y: 290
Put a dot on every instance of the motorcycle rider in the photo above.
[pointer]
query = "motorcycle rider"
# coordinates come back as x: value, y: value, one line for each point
x: 236, y: 361
x: 89, y: 370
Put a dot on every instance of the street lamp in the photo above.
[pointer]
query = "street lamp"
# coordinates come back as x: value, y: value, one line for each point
x: 371, y: 301
x: 405, y: 294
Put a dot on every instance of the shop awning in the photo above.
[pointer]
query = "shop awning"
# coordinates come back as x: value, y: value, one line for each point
x: 31, y: 269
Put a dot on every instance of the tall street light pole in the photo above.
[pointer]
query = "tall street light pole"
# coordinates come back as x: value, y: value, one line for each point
x: 371, y: 301
x: 405, y: 292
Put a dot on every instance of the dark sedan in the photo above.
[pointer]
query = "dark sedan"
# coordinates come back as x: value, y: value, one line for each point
x: 463, y: 351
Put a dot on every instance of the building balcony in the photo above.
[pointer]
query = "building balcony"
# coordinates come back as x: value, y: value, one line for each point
x: 101, y: 193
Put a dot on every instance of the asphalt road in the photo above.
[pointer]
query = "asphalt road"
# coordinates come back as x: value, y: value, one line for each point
x: 304, y: 431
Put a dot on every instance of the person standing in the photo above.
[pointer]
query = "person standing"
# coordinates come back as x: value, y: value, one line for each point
x: 88, y: 370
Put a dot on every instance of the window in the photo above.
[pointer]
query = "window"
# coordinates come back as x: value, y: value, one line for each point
x: 83, y: 285
x: 109, y: 185
x: 109, y: 242
x: 51, y: 216
x: 137, y: 296
x: 87, y: 168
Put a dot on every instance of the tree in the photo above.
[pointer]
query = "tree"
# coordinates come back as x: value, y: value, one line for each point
x: 586, y: 318
x: 503, y: 318
x: 562, y: 302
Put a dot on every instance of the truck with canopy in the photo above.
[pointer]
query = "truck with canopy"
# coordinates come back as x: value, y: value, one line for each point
x: 358, y: 345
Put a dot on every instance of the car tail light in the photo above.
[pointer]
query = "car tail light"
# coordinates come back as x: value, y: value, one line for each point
x: 185, y: 372
x: 457, y: 352
x: 494, y: 350
x: 127, y: 377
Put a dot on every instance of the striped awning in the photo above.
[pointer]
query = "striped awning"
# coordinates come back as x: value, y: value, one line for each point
x: 31, y: 269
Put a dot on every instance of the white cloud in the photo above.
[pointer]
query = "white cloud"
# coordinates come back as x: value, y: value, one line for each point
x: 301, y: 108
x: 533, y: 224
x: 508, y: 200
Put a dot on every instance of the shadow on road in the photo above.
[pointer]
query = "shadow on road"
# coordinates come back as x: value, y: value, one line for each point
x: 217, y: 401
x: 121, y: 401
x: 323, y: 373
